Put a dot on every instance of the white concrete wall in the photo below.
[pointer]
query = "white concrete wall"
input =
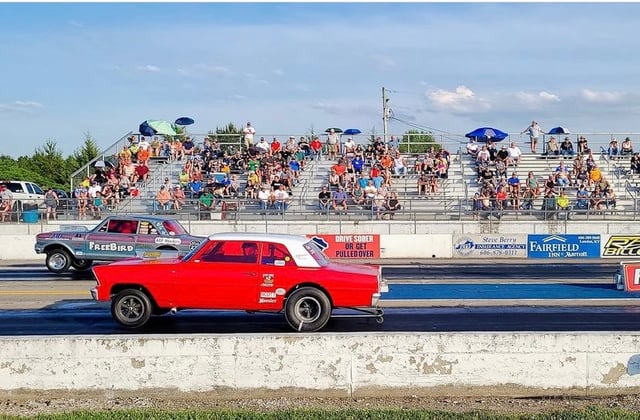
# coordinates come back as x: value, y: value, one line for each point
x: 398, y: 239
x: 347, y: 364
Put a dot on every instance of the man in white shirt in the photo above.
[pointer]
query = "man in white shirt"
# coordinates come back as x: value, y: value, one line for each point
x: 248, y: 133
x: 349, y: 147
x: 281, y: 197
x: 264, y: 195
x: 262, y: 146
x: 144, y: 144
x: 514, y: 154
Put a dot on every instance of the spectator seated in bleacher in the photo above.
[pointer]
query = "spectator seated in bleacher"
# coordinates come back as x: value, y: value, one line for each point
x: 399, y: 165
x: 626, y: 147
x: 357, y: 195
x: 562, y: 175
x: 583, y: 144
x: 324, y: 199
x: 392, y: 204
x: 613, y: 151
x: 515, y: 154
x: 483, y: 157
x: 339, y: 200
x: 582, y: 198
x: 609, y: 198
x: 473, y: 147
x: 552, y: 148
x: 634, y: 164
x: 596, y: 201
x: 566, y: 147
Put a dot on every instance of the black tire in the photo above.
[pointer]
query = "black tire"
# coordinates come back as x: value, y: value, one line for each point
x: 131, y: 308
x: 307, y: 309
x: 58, y: 260
x: 81, y: 265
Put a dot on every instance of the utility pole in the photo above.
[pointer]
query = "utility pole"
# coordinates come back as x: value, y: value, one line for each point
x: 386, y: 114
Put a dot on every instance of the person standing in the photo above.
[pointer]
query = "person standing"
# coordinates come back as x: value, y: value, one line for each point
x: 52, y: 201
x: 533, y: 131
x: 333, y: 144
x: 248, y: 133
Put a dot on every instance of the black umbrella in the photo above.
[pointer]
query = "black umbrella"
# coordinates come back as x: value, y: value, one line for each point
x: 337, y: 130
x: 184, y: 121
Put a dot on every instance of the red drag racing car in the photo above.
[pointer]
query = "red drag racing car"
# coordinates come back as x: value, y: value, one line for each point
x: 236, y: 271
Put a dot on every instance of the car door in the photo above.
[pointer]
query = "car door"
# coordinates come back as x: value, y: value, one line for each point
x: 223, y: 276
x: 277, y: 274
x: 114, y: 239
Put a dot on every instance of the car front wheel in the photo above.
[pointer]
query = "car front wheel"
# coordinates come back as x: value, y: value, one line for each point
x: 81, y: 265
x: 307, y: 309
x: 58, y: 261
x: 131, y: 308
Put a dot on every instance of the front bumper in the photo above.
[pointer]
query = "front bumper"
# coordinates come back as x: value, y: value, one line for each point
x: 94, y: 294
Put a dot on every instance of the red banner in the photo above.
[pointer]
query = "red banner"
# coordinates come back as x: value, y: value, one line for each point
x: 356, y: 246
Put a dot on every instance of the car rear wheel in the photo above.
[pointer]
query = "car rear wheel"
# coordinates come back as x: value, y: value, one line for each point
x: 131, y: 308
x: 307, y: 309
x: 81, y: 265
x: 58, y: 260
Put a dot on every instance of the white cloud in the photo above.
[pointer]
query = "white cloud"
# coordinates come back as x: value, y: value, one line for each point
x: 593, y: 96
x: 535, y: 100
x: 29, y: 104
x: 149, y: 67
x: 278, y: 72
x: 20, y: 106
x: 462, y: 100
x: 383, y: 61
x: 213, y: 68
x: 76, y: 24
x: 183, y: 72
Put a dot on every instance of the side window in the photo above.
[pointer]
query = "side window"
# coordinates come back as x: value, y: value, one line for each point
x: 122, y: 226
x: 232, y: 252
x: 147, y: 228
x: 37, y: 189
x: 276, y: 254
x: 30, y: 189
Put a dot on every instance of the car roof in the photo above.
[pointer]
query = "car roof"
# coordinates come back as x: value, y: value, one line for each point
x: 140, y: 217
x: 261, y: 237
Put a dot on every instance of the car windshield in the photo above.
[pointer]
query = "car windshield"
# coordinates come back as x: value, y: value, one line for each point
x: 174, y: 227
x: 316, y: 252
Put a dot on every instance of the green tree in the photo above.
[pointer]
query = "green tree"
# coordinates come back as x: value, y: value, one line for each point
x: 414, y: 141
x: 84, y: 154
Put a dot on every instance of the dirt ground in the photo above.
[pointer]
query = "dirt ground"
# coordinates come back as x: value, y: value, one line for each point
x: 32, y: 403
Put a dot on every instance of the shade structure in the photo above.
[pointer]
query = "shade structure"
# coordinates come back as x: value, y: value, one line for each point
x: 335, y: 129
x: 153, y: 127
x: 559, y: 130
x: 184, y: 121
x: 351, y: 131
x: 486, y: 134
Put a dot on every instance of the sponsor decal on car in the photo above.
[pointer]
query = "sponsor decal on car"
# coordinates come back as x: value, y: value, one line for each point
x: 168, y: 241
x: 93, y: 246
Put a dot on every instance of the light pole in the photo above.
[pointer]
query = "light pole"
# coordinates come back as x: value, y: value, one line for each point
x: 386, y: 114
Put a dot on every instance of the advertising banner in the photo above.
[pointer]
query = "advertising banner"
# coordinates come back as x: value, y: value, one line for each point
x: 616, y: 246
x: 490, y: 245
x: 349, y: 246
x: 563, y: 246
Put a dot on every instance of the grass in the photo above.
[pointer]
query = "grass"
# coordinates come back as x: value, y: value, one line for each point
x: 591, y: 413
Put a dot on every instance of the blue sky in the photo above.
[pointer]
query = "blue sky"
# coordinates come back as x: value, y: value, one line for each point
x: 69, y: 69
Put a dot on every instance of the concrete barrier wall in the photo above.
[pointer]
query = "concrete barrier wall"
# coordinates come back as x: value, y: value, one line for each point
x: 364, y: 364
x: 398, y: 239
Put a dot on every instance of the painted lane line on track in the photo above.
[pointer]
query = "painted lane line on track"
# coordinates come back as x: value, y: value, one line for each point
x: 453, y: 303
x: 43, y: 292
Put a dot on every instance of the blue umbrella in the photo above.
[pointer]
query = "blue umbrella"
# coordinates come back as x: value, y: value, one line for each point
x: 351, y: 131
x: 559, y: 130
x: 487, y: 133
x: 184, y: 121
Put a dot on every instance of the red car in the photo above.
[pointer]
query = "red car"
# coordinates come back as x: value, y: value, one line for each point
x: 237, y: 271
